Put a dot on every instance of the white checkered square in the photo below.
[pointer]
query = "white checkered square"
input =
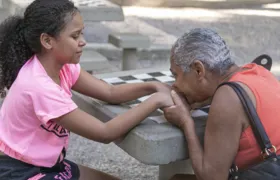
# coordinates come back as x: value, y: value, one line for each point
x: 197, y: 113
x: 143, y: 76
x: 134, y: 81
x: 167, y: 73
x: 164, y: 79
x: 113, y: 80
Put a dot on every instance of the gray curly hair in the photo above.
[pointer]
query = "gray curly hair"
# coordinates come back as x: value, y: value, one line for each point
x: 204, y: 45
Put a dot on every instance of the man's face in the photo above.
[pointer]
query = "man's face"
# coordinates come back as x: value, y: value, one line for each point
x: 190, y: 84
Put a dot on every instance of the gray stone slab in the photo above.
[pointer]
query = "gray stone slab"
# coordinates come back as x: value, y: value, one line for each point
x: 194, y: 3
x: 129, y: 40
x: 154, y: 141
x: 152, y: 54
x: 131, y: 72
x: 150, y: 142
x: 92, y: 60
x: 99, y: 10
x: 92, y: 10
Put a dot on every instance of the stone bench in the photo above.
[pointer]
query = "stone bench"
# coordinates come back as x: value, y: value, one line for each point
x: 92, y: 10
x: 153, y: 141
x: 129, y: 42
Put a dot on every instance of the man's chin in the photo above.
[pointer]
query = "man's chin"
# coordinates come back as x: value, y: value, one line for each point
x: 197, y: 105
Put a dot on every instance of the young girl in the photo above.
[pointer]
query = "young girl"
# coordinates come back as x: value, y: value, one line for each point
x: 39, y: 56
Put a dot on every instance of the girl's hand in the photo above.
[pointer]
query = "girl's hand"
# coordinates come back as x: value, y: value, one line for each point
x: 163, y: 99
x: 163, y: 87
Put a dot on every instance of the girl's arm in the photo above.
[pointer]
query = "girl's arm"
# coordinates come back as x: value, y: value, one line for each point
x: 89, y: 127
x: 115, y: 94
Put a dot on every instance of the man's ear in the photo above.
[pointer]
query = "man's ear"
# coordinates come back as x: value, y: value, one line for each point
x: 46, y: 41
x: 199, y: 69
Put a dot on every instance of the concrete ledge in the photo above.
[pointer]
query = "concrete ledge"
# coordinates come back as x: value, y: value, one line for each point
x: 157, y: 144
x: 92, y: 60
x: 193, y: 3
x: 158, y: 53
x: 92, y: 10
x: 153, y: 52
x: 129, y: 40
x: 152, y: 142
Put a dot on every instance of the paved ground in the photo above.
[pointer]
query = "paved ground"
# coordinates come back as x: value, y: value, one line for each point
x: 248, y: 32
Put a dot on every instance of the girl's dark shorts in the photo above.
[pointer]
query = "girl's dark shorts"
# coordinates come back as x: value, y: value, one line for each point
x: 12, y: 169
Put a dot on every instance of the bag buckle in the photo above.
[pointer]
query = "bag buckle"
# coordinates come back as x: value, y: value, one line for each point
x: 233, y: 172
x: 267, y: 152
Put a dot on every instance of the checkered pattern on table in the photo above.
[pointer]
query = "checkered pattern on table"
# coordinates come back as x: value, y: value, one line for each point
x: 162, y: 76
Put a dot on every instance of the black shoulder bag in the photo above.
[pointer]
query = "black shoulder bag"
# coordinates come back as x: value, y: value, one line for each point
x: 269, y: 168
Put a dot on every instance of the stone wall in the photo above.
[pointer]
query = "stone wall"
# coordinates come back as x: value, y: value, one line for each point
x: 193, y: 3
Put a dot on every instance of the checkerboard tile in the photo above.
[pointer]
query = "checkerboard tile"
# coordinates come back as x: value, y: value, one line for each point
x: 135, y: 81
x: 143, y: 76
x: 113, y: 80
x: 164, y: 79
x: 163, y: 76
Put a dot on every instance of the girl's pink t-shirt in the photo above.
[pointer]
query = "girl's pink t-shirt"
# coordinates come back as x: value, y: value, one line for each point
x: 27, y: 131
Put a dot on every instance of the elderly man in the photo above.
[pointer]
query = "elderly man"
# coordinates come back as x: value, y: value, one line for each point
x: 200, y: 62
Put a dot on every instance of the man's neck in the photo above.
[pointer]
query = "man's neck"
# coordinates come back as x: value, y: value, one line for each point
x: 232, y: 70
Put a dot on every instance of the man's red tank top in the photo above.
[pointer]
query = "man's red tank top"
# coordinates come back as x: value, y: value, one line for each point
x: 266, y: 89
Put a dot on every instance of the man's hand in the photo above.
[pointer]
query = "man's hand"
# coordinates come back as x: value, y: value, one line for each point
x: 179, y: 113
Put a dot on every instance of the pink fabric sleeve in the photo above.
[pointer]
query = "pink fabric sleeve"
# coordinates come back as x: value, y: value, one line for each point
x: 51, y: 102
x: 75, y: 72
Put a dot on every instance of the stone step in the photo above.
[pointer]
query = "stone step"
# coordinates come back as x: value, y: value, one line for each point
x: 92, y: 10
x: 194, y: 3
x: 92, y: 60
x: 153, y: 52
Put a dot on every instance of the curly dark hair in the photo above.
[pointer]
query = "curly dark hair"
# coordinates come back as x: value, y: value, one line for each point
x: 20, y: 36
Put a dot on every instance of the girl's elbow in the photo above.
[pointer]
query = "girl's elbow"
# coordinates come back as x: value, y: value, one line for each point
x: 105, y: 136
x: 102, y: 139
x: 106, y: 141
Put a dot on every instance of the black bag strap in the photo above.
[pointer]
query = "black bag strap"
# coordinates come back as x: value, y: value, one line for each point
x: 256, y: 124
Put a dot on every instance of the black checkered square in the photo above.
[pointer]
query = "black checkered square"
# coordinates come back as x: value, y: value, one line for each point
x: 164, y: 77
